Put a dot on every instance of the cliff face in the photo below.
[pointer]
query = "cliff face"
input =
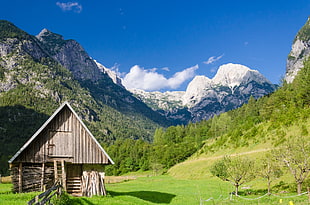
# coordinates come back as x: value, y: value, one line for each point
x: 42, y: 71
x: 70, y: 54
x: 299, y: 53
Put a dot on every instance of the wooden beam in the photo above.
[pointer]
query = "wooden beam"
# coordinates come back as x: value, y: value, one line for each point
x: 55, y: 171
x: 63, y: 175
x: 20, y: 179
x: 42, y: 177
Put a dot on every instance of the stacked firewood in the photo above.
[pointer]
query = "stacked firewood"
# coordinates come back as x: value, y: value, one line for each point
x: 93, y: 183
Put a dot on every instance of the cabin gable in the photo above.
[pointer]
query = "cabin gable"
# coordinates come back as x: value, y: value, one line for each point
x: 64, y: 137
x: 64, y: 150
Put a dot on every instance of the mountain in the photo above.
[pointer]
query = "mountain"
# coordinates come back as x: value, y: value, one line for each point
x: 110, y: 73
x: 299, y: 53
x: 168, y: 104
x: 38, y: 73
x: 231, y: 87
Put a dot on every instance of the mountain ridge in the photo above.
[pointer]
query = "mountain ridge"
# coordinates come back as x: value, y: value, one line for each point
x: 39, y: 78
x: 231, y: 87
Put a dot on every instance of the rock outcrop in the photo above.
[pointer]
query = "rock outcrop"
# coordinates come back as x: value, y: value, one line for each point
x: 299, y: 53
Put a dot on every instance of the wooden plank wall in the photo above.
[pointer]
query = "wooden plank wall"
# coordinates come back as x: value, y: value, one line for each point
x: 86, y: 150
x: 31, y: 177
x: 67, y: 137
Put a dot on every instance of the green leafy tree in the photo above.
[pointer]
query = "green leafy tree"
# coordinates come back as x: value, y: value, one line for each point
x: 295, y: 155
x: 236, y: 170
x: 269, y: 169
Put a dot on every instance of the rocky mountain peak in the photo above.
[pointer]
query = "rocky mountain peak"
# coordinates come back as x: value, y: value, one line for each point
x: 233, y: 75
x: 299, y: 53
x: 196, y: 89
x: 46, y: 35
x: 69, y: 54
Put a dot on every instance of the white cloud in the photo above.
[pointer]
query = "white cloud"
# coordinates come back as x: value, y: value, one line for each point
x: 150, y: 80
x: 165, y: 69
x: 70, y: 6
x: 213, y: 59
x: 213, y: 70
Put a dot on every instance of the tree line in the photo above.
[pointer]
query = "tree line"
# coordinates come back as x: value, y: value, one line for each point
x: 249, y: 124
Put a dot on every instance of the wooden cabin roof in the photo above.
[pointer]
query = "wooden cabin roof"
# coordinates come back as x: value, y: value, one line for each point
x: 85, y: 148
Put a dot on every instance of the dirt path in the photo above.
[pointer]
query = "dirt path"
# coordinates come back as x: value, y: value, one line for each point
x: 221, y: 156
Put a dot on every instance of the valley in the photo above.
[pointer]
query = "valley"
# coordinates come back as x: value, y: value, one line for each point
x: 170, y: 142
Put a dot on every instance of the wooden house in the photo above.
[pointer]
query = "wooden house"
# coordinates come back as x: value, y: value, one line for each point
x: 64, y: 150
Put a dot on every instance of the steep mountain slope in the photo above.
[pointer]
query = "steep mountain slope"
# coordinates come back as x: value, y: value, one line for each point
x: 72, y: 56
x: 299, y: 53
x: 260, y: 125
x: 110, y: 73
x: 254, y: 129
x: 231, y: 87
x: 39, y: 73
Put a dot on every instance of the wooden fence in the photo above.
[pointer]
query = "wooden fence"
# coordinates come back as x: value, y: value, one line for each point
x: 46, y: 196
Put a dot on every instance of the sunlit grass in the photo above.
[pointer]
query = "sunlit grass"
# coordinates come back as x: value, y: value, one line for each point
x: 165, y: 190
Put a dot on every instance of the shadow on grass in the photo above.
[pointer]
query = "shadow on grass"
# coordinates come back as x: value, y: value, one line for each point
x: 81, y: 201
x: 151, y: 196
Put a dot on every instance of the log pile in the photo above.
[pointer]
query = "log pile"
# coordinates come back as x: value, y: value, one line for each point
x: 93, y: 183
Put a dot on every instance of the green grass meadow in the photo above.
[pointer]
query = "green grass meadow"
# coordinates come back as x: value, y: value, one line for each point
x: 163, y: 190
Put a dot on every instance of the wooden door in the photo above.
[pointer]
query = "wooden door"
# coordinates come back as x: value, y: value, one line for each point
x: 60, y: 144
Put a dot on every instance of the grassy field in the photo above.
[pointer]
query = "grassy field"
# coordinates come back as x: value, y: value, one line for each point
x: 188, y: 183
x: 162, y: 190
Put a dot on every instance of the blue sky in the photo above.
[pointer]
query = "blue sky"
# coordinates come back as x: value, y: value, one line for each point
x: 170, y: 41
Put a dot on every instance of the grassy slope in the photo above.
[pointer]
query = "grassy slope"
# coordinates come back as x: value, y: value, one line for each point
x: 198, y: 166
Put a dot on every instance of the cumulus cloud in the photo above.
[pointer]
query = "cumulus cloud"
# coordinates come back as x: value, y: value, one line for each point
x: 150, y: 80
x: 70, y: 6
x: 213, y: 59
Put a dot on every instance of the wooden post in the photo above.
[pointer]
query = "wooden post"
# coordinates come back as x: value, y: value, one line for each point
x: 55, y: 171
x: 20, y: 175
x: 63, y: 175
x: 36, y: 199
x: 42, y: 177
x: 0, y: 179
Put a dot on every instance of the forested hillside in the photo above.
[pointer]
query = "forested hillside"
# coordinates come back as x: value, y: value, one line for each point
x: 262, y: 121
x: 33, y: 84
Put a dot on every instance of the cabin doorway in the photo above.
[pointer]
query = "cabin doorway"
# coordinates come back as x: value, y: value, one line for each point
x: 74, y: 179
